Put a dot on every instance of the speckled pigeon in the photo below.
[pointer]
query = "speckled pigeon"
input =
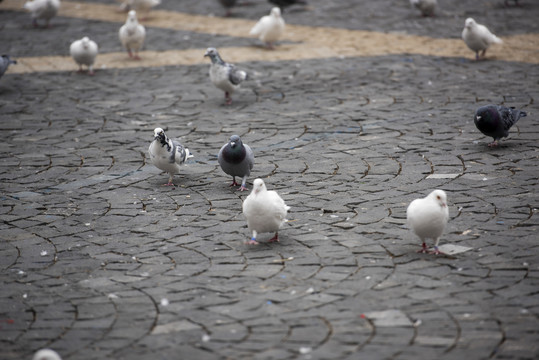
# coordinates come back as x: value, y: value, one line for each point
x: 236, y: 159
x: 265, y: 211
x: 167, y: 154
x: 496, y: 120
x: 223, y: 75
x: 428, y: 217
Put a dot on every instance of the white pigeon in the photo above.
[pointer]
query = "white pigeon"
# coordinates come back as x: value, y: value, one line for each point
x: 167, y: 154
x: 265, y: 211
x: 46, y: 354
x: 478, y: 37
x: 141, y: 6
x: 269, y: 28
x: 132, y: 34
x: 42, y: 9
x: 84, y: 52
x: 426, y: 7
x: 223, y: 75
x: 428, y: 217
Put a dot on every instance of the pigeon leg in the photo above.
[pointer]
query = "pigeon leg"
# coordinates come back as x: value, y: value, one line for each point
x: 242, y: 187
x: 483, y: 53
x: 34, y: 23
x: 136, y: 55
x: 129, y: 53
x: 80, y: 68
x: 424, y: 249
x: 170, y: 183
x: 234, y: 183
x: 436, y: 251
x: 493, y: 144
x: 228, y: 99
x: 91, y: 70
x: 253, y: 240
x: 476, y: 55
x: 275, y: 238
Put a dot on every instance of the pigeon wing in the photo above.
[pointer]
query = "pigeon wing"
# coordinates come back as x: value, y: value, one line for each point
x: 235, y: 75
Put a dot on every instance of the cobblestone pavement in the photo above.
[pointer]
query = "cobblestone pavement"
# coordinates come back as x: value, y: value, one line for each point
x: 99, y: 261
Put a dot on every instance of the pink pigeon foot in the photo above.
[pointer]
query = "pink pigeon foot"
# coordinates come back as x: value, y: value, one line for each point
x: 251, y: 242
x: 436, y: 251
x: 493, y: 144
x: 424, y: 249
x: 242, y: 188
x: 274, y: 239
x: 228, y: 99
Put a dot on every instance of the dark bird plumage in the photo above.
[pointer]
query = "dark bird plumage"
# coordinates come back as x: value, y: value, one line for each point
x: 285, y: 3
x: 5, y: 61
x: 236, y: 159
x: 228, y: 5
x: 496, y: 120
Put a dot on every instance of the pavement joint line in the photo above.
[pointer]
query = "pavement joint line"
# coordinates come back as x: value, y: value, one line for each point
x: 310, y: 42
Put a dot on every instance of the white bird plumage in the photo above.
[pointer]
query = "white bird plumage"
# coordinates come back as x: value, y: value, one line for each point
x: 167, y: 154
x: 42, y: 9
x: 143, y: 7
x: 46, y: 354
x: 132, y: 34
x: 428, y: 217
x: 265, y: 211
x: 84, y: 52
x: 426, y: 7
x: 269, y: 28
x: 478, y: 37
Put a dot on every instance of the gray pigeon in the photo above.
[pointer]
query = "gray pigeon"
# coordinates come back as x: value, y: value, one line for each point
x: 496, y: 120
x: 167, y: 154
x: 223, y: 75
x: 236, y: 159
x: 5, y: 61
x: 228, y: 5
x: 285, y: 3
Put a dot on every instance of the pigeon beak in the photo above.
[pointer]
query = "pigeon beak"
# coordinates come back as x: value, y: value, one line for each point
x: 478, y: 117
x: 232, y: 143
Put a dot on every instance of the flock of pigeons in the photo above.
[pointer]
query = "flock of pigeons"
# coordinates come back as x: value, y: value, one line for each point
x: 265, y: 210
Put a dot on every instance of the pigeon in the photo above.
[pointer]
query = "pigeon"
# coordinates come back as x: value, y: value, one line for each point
x: 167, y: 154
x: 141, y: 6
x: 426, y: 7
x: 265, y: 211
x: 236, y: 159
x: 496, y: 120
x: 42, y: 9
x: 269, y: 28
x: 84, y: 51
x: 46, y: 354
x: 228, y: 5
x: 478, y: 37
x: 5, y: 61
x: 223, y: 75
x: 285, y: 3
x: 428, y: 217
x: 132, y: 34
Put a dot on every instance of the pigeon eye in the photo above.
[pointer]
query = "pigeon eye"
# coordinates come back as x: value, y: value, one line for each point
x: 438, y: 197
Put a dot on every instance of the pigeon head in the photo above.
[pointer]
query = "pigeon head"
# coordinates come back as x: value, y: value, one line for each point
x: 439, y: 197
x: 259, y: 186
x: 213, y: 55
x: 132, y: 16
x: 9, y: 59
x: 469, y: 23
x: 159, y: 134
x: 235, y: 142
x: 85, y: 42
x: 487, y: 119
x: 276, y: 12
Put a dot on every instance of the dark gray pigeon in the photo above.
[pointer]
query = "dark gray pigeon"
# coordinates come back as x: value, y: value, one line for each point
x: 228, y: 5
x: 496, y: 120
x: 223, y: 75
x: 5, y: 61
x: 236, y: 159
